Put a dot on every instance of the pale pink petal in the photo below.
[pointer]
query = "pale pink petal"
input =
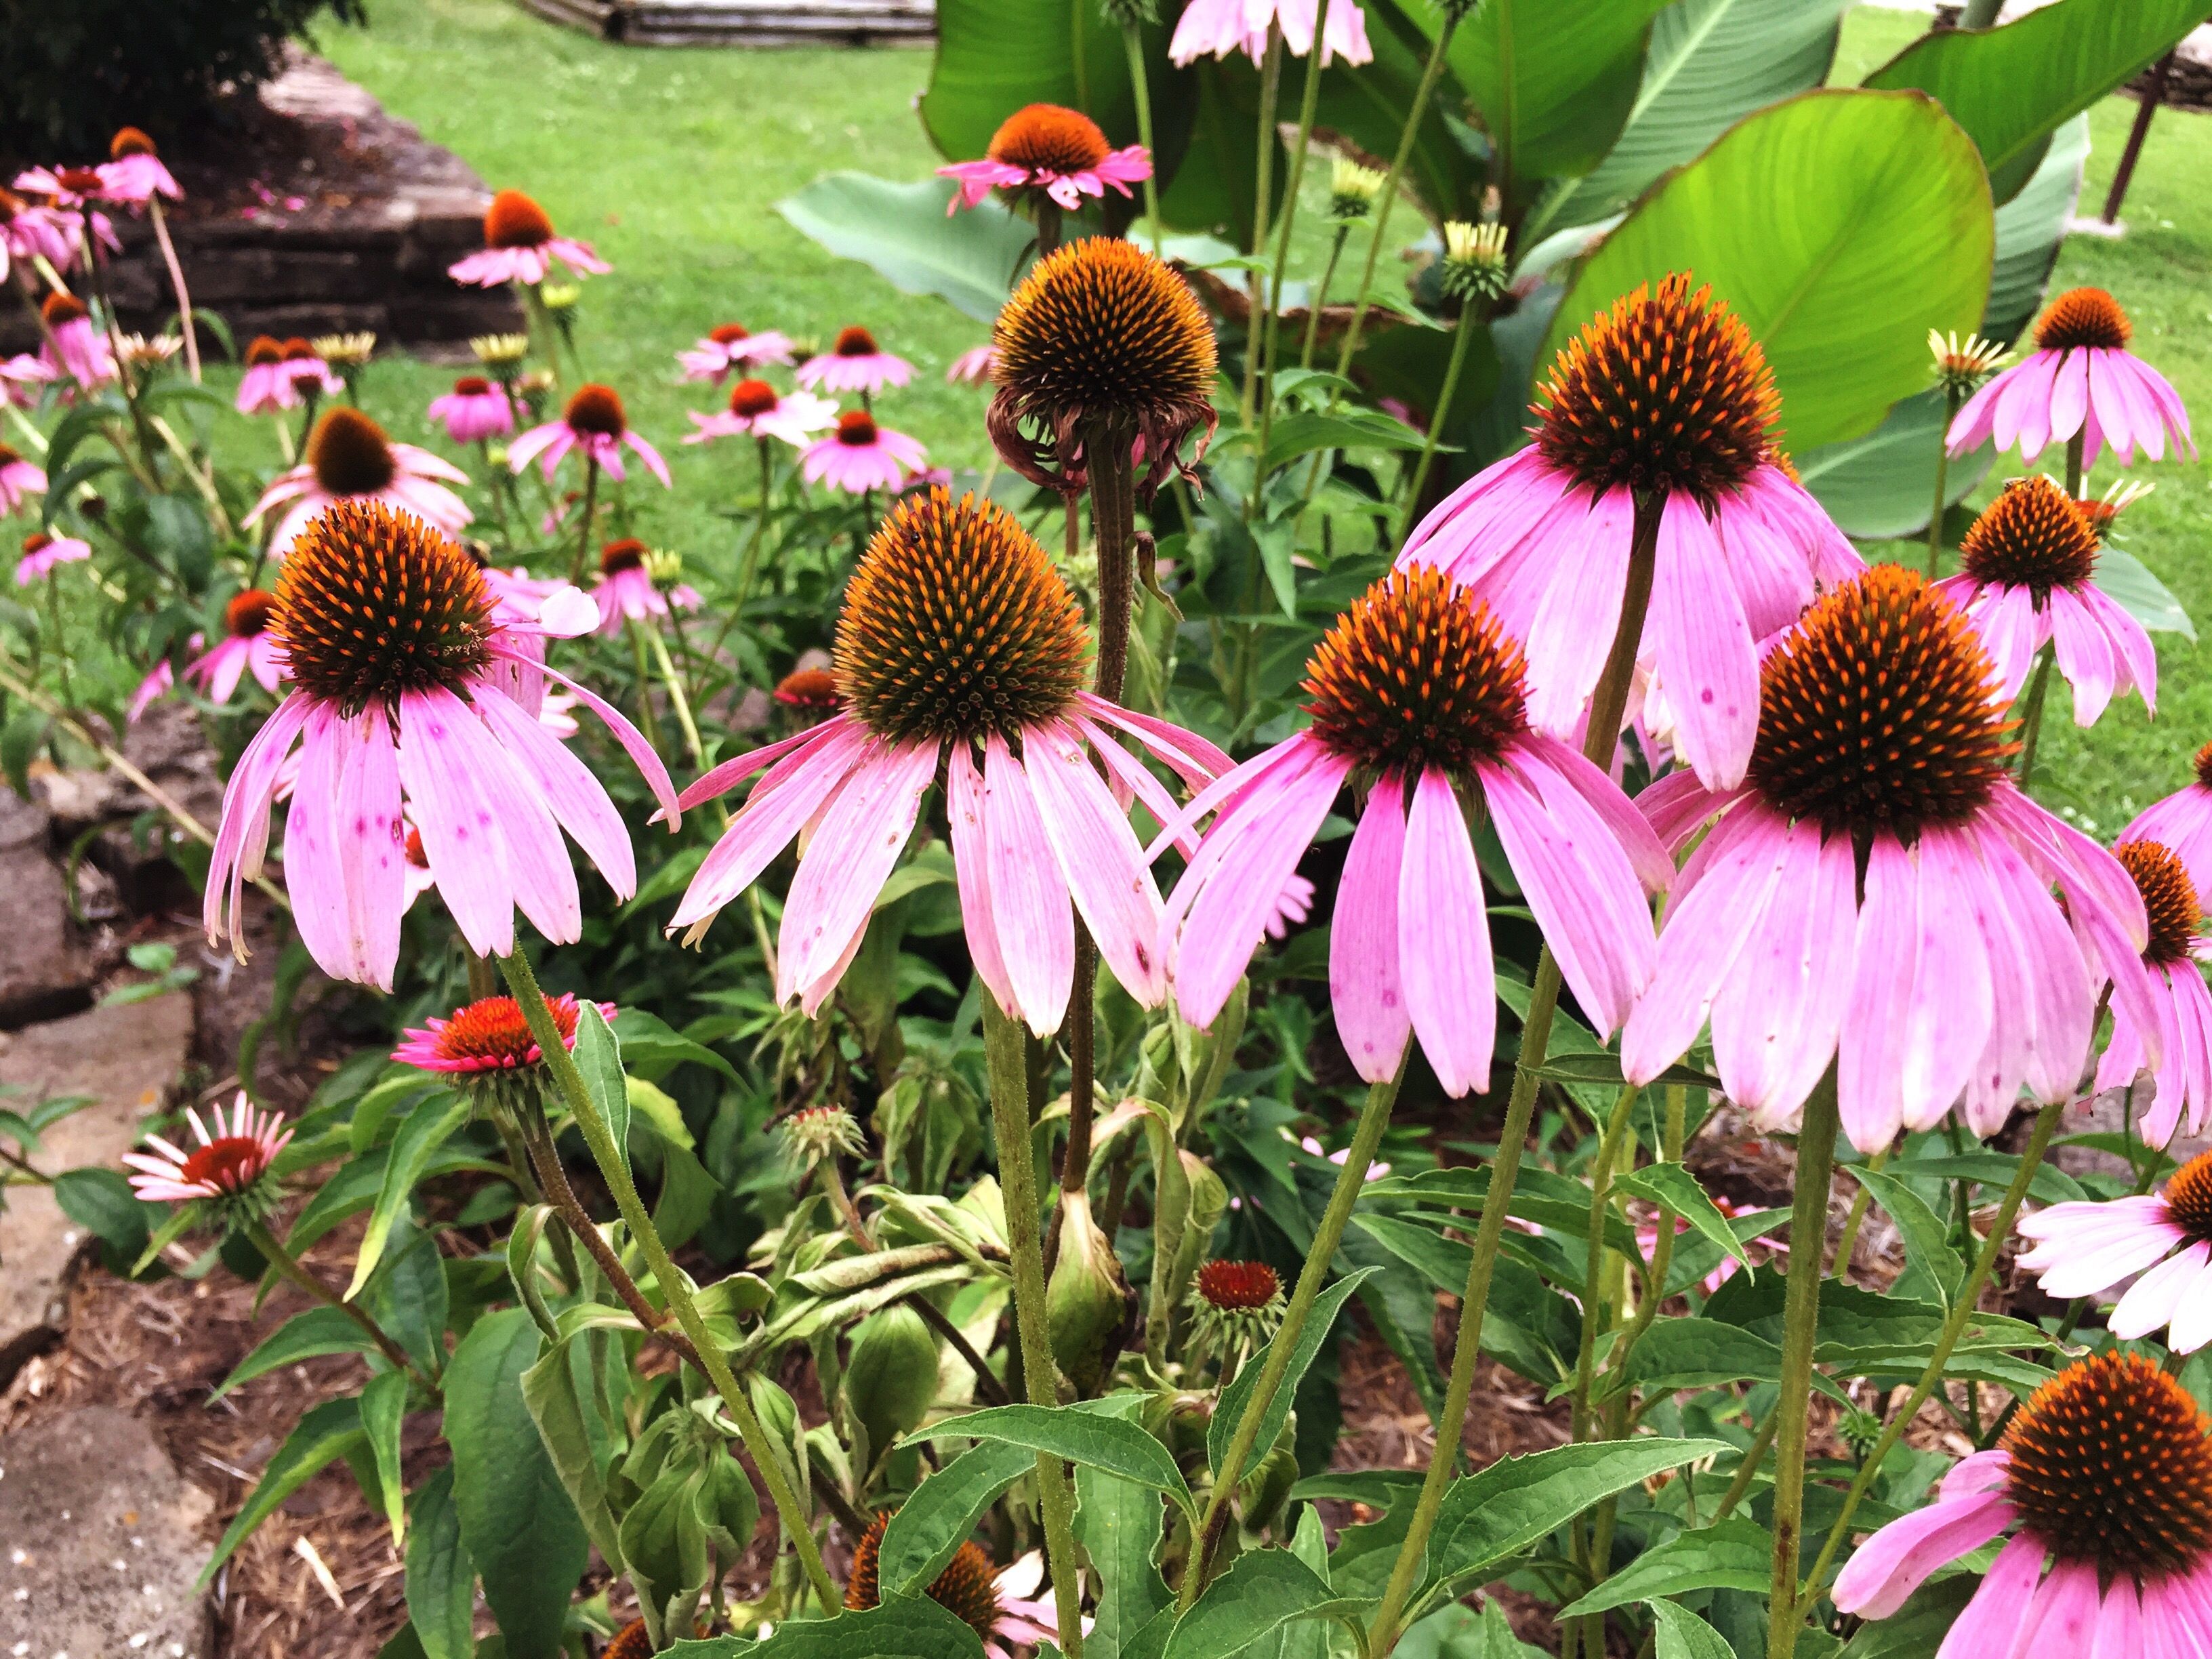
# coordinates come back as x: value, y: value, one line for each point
x: 1443, y: 940
x: 964, y: 811
x: 1702, y: 646
x: 1779, y: 1009
x: 1028, y: 900
x: 1366, y: 988
x: 1099, y: 856
x: 461, y: 831
x: 244, y: 829
x: 1571, y: 633
x: 2150, y: 1302
x: 1885, y: 1571
x: 2084, y: 654
x: 2062, y: 1615
x: 373, y: 848
x: 735, y: 770
x: 577, y: 799
x: 771, y: 820
x: 851, y: 855
x: 632, y: 740
x: 1988, y: 1625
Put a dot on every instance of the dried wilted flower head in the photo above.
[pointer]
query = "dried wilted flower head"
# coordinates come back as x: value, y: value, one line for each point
x: 1101, y: 342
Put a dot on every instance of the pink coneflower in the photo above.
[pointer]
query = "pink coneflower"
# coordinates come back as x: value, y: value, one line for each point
x: 350, y: 460
x: 43, y: 554
x: 246, y: 643
x: 810, y: 692
x: 958, y: 640
x: 854, y: 364
x: 757, y: 410
x: 1666, y: 396
x: 733, y: 346
x: 38, y: 232
x: 625, y: 591
x: 134, y: 174
x: 488, y: 1035
x: 229, y: 1168
x: 595, y: 424
x: 2024, y: 581
x: 1340, y: 1157
x: 520, y: 246
x: 24, y: 378
x: 1878, y: 891
x: 304, y: 366
x: 1417, y: 697
x: 516, y: 595
x: 972, y: 367
x: 2183, y: 821
x: 1215, y: 28
x: 475, y: 409
x: 1027, y: 1620
x: 18, y: 478
x: 1292, y: 906
x: 860, y: 456
x: 157, y: 685
x: 1060, y: 153
x: 72, y: 188
x: 2084, y: 1249
x: 73, y: 346
x: 267, y: 386
x: 2178, y: 1054
x: 2081, y: 378
x: 1002, y: 1608
x: 405, y: 683
x: 2105, y: 1475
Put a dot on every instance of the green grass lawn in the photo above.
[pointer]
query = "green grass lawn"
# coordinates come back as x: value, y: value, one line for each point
x: 671, y: 161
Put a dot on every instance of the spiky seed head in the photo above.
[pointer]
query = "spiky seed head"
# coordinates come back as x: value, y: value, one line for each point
x: 854, y: 341
x: 1879, y: 712
x: 966, y: 1588
x: 626, y: 554
x: 129, y: 141
x: 2033, y: 535
x: 372, y: 603
x: 729, y: 334
x: 247, y: 614
x: 350, y: 453
x: 2188, y: 1198
x: 1050, y: 138
x: 823, y: 1134
x: 513, y: 220
x: 58, y: 308
x: 956, y: 626
x: 808, y: 689
x: 2170, y: 899
x: 263, y: 351
x: 597, y: 410
x: 748, y: 398
x: 1665, y: 391
x: 2083, y: 317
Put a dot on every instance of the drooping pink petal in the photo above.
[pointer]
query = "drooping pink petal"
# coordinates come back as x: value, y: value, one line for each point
x: 1190, y: 756
x: 375, y: 858
x: 1987, y: 1626
x: 632, y: 740
x: 1702, y: 642
x: 243, y: 832
x: 1029, y: 904
x: 771, y: 820
x: 2062, y: 1613
x: 850, y: 857
x: 529, y: 837
x: 1099, y: 857
x: 1778, y: 1012
x: 1638, y: 838
x: 2132, y: 646
x: 578, y: 801
x: 2084, y: 654
x: 1874, y: 1050
x: 316, y: 885
x: 1571, y: 633
x: 972, y: 854
x: 1443, y: 940
x: 459, y: 830
x: 1366, y: 988
x: 722, y: 779
x: 1885, y: 1571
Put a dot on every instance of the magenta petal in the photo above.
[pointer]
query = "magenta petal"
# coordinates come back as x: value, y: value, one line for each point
x: 848, y: 859
x: 2062, y: 1616
x: 632, y: 740
x: 1570, y: 632
x: 2084, y: 654
x: 1989, y: 1625
x: 1365, y: 985
x: 1098, y: 856
x: 312, y: 875
x: 578, y: 801
x: 367, y: 823
x: 1443, y: 940
x: 1954, y: 989
x: 1872, y: 1057
x: 964, y: 811
x: 243, y: 830
x: 1708, y: 662
x: 736, y: 769
x: 1779, y: 1009
x: 1897, y: 1560
x: 781, y: 806
x: 537, y: 864
x: 460, y: 831
x: 1030, y: 905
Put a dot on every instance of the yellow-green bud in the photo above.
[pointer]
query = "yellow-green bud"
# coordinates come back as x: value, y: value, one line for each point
x: 559, y: 296
x: 1474, y: 266
x: 1087, y: 1304
x: 1353, y: 190
x: 500, y: 350
x: 890, y: 1378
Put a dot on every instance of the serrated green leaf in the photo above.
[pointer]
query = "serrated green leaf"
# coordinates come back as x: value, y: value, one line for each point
x: 1263, y: 1590
x: 1673, y: 1186
x: 1929, y: 1254
x: 1079, y: 1437
x: 1737, y: 1553
x: 1319, y: 1325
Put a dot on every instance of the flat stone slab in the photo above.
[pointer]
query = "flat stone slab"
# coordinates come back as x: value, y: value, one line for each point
x: 48, y: 965
x: 747, y: 22
x: 126, y: 1058
x: 100, y: 1539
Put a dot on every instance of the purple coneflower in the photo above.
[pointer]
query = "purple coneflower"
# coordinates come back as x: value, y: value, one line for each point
x: 2080, y: 378
x: 520, y: 246
x: 350, y: 460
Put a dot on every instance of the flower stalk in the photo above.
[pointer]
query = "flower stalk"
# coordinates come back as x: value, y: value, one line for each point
x: 1800, y: 1316
x: 290, y: 1267
x: 1255, y: 325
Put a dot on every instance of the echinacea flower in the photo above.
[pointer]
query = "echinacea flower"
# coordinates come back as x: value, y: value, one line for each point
x: 961, y: 646
x: 2080, y: 378
x: 1100, y: 341
x: 1647, y: 1240
x: 1234, y: 1306
x: 1215, y: 28
x: 70, y: 187
x: 626, y: 592
x: 860, y: 456
x: 29, y: 232
x: 134, y: 173
x: 486, y: 1046
x: 1962, y: 365
x: 157, y: 685
x: 854, y: 363
x: 1059, y: 152
x: 1418, y: 703
x: 2182, y: 822
x: 971, y: 368
x: 820, y: 1134
x: 595, y: 424
x: 304, y: 366
x: 227, y: 1171
x: 757, y: 410
x: 1002, y: 1608
x: 246, y: 643
x: 2103, y: 511
x: 2179, y: 1053
x: 44, y: 553
x: 733, y: 346
x: 1877, y: 891
x: 2025, y: 582
x: 267, y: 386
x: 24, y: 378
x: 350, y: 350
x: 18, y: 478
x: 520, y: 246
x: 811, y: 692
x: 2082, y: 1249
x: 350, y: 460
x: 1667, y: 398
x: 73, y: 346
x: 406, y: 684
x: 2105, y: 1476
x: 475, y: 409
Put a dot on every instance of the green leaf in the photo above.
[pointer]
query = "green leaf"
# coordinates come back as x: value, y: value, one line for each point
x: 1711, y: 64
x: 1489, y: 1517
x: 599, y: 1057
x: 2009, y: 87
x: 517, y: 1522
x: 1080, y: 1436
x: 931, y: 1524
x: 1263, y: 1590
x: 441, y: 1577
x: 1310, y: 429
x: 383, y: 1410
x: 101, y: 1202
x: 902, y: 233
x: 1737, y: 1553
x: 425, y: 1129
x: 1119, y: 1524
x: 354, y: 1187
x: 1697, y: 1353
x: 1457, y: 1631
x: 1319, y: 1325
x: 905, y: 1627
x: 650, y: 1048
x: 549, y: 1390
x: 409, y: 1298
x: 309, y: 1335
x: 1929, y: 1257
x: 1801, y: 217
x: 2031, y: 229
x: 2049, y: 1185
x: 1682, y: 1635
x: 2128, y: 581
x: 331, y: 1430
x: 1673, y: 1186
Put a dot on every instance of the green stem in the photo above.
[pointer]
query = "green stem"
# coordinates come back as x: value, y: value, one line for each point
x: 613, y: 1166
x: 1663, y: 1247
x: 1321, y: 295
x: 1942, y: 482
x: 1471, y: 321
x: 1747, y: 1470
x: 1606, y: 705
x: 1601, y: 1206
x: 1963, y: 1311
x: 290, y: 1267
x: 646, y: 719
x: 1366, y: 1137
x: 584, y: 524
x: 1141, y: 88
x: 1271, y: 81
x: 1307, y: 102
x: 1431, y: 73
x: 2032, y: 722
x: 2076, y: 446
x: 1800, y: 1314
x: 1005, y: 1047
x: 1856, y: 1219
x: 676, y: 701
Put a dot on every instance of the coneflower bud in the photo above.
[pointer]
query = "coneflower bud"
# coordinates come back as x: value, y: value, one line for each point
x: 821, y: 1134
x: 1474, y: 266
x: 890, y: 1377
x: 665, y: 566
x: 558, y: 297
x: 1087, y: 1304
x: 1353, y: 190
x: 499, y: 351
x: 1129, y: 14
x: 345, y: 350
x: 2101, y: 511
x: 1235, y: 1307
x: 1963, y: 365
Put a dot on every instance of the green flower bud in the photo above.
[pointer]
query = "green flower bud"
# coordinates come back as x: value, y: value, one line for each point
x: 890, y: 1378
x: 1474, y: 266
x: 1087, y: 1304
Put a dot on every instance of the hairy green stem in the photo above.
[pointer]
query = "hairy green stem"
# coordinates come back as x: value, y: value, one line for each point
x: 613, y: 1166
x: 1801, y: 1315
x: 1856, y: 1219
x: 1943, y: 481
x: 1255, y: 323
x: 1473, y: 319
x: 2032, y: 721
x: 1308, y: 100
x: 292, y: 1268
x: 1140, y: 88
x: 1320, y: 296
x: 1601, y: 1206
